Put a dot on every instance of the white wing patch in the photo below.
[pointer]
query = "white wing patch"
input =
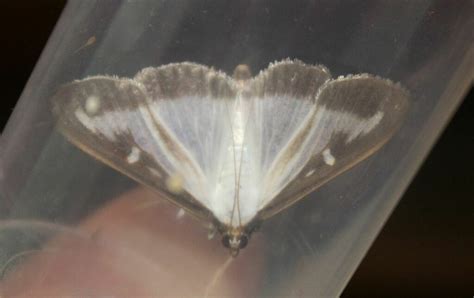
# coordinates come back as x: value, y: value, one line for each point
x: 349, y: 124
x: 107, y: 123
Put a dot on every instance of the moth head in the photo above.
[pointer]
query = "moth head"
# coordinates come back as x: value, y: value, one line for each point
x: 235, y: 239
x: 242, y: 72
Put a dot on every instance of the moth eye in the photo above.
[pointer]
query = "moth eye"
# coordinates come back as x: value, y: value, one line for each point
x: 226, y: 241
x: 244, y: 240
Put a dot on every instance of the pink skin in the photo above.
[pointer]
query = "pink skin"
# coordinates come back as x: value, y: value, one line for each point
x: 136, y: 246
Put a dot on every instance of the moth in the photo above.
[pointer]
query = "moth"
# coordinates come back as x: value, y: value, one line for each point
x: 232, y: 151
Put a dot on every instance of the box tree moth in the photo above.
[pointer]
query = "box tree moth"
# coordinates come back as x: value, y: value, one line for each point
x: 237, y: 150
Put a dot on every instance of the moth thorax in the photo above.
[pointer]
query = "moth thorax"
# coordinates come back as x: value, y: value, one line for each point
x: 242, y: 72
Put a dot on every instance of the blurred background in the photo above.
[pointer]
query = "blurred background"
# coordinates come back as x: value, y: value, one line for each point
x: 427, y: 245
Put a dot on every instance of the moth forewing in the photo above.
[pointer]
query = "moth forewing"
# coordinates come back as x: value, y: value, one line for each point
x: 357, y: 115
x: 115, y: 132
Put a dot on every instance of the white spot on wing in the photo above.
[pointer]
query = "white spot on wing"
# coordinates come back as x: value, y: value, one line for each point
x: 92, y: 105
x: 134, y: 155
x: 154, y: 172
x: 328, y: 157
x: 310, y: 173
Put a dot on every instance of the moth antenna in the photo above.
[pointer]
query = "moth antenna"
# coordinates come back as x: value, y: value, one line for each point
x: 237, y: 189
x: 235, y: 160
x: 217, y: 275
x: 240, y: 165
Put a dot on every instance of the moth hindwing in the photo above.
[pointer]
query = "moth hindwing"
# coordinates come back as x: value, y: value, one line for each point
x: 233, y: 151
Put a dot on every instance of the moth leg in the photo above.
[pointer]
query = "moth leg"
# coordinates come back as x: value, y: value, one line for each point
x: 180, y: 214
x: 212, y: 231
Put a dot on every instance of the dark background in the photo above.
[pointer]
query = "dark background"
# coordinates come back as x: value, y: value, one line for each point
x: 427, y: 245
